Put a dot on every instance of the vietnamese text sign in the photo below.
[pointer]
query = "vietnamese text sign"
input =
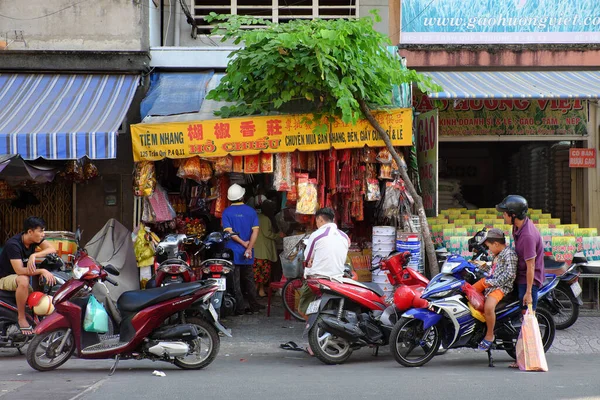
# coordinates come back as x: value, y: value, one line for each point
x: 507, y: 21
x: 582, y: 158
x: 268, y: 134
x: 491, y: 117
x: 427, y: 157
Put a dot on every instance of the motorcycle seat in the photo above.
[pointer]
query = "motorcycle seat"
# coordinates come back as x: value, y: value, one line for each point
x: 135, y: 300
x: 8, y: 297
x: 551, y: 266
x: 365, y: 285
x: 508, y: 300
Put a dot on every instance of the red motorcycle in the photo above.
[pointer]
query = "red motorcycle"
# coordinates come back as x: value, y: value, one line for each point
x: 175, y: 323
x: 348, y: 315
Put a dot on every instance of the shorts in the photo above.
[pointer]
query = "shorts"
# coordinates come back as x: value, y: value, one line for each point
x: 9, y: 283
x: 534, y: 295
x: 306, y: 297
x: 480, y: 286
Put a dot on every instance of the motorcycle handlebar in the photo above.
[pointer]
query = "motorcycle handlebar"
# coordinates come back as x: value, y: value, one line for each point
x: 109, y: 280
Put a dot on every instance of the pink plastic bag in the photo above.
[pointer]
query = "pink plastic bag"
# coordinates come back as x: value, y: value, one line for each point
x: 475, y: 298
x: 530, y: 349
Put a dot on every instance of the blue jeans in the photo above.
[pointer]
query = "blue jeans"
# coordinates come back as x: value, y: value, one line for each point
x: 534, y: 295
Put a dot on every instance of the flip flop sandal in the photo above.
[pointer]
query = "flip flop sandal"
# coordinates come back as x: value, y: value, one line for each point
x: 291, y: 346
x: 485, y: 345
x: 27, y: 331
x: 514, y: 365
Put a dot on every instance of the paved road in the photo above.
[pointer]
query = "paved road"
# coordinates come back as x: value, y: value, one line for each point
x: 252, y: 365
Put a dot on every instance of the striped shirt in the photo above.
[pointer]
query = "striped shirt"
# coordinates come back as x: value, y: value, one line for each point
x: 327, y: 247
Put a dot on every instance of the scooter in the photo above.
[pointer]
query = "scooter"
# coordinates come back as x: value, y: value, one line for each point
x: 218, y: 265
x: 10, y: 334
x: 564, y: 301
x: 154, y: 324
x: 348, y: 315
x: 171, y: 261
x: 445, y: 318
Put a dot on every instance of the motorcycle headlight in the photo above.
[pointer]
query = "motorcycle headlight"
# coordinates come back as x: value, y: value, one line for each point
x: 78, y: 271
x: 448, y: 267
x: 440, y: 294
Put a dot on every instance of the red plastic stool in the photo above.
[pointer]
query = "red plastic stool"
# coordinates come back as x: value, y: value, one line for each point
x: 272, y: 287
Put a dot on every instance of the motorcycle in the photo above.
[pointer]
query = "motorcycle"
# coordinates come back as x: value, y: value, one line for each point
x: 171, y: 261
x: 217, y: 265
x: 10, y: 334
x: 154, y: 323
x: 446, y: 319
x: 565, y: 300
x: 348, y: 315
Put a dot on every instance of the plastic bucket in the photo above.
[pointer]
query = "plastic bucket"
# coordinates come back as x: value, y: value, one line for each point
x: 384, y: 230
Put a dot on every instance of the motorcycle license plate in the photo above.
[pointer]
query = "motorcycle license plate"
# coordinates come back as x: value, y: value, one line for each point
x: 313, y: 307
x: 213, y: 312
x: 222, y: 284
x: 576, y: 288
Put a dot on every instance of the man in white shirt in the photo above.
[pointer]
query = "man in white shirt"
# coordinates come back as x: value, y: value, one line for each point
x: 325, y: 254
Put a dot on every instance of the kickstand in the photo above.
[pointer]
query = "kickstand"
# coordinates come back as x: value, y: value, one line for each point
x: 376, y: 351
x: 490, y: 358
x: 114, y: 367
x: 19, y: 350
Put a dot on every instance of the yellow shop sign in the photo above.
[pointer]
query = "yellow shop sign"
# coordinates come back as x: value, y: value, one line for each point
x: 267, y: 134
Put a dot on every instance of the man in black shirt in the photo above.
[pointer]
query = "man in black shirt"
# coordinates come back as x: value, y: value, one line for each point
x: 17, y: 264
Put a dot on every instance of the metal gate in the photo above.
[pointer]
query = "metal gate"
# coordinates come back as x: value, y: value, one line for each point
x: 56, y: 208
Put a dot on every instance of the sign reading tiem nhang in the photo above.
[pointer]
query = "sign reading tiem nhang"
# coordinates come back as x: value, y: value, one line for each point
x: 500, y: 21
x: 267, y: 134
x: 510, y: 117
x: 582, y: 158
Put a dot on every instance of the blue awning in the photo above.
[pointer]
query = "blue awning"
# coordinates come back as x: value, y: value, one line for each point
x: 517, y: 84
x: 173, y: 93
x: 63, y: 116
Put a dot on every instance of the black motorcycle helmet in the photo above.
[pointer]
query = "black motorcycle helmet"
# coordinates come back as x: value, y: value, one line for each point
x: 515, y: 206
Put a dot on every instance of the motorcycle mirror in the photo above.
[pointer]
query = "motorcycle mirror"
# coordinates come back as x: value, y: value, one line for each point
x: 111, y: 270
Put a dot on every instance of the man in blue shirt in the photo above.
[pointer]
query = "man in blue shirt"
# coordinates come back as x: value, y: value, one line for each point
x: 242, y: 219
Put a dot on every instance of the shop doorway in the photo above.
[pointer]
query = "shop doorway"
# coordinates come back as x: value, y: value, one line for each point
x: 480, y: 174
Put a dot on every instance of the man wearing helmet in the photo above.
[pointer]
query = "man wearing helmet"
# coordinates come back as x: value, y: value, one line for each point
x: 529, y: 247
x: 240, y: 218
x: 17, y: 265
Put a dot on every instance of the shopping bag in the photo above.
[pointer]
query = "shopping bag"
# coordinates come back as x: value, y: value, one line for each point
x: 96, y: 317
x: 475, y: 298
x: 530, y: 349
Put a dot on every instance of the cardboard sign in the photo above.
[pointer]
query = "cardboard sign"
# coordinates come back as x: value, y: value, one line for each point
x: 563, y: 248
x: 582, y: 158
x: 591, y: 247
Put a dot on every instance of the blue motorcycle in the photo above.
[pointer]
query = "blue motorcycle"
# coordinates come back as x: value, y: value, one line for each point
x: 448, y: 322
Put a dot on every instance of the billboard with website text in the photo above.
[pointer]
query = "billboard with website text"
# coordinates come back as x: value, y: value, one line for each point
x: 500, y: 21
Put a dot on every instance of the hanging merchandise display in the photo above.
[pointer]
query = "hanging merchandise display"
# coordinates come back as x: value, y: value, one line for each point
x: 283, y: 180
x: 307, y: 196
x: 223, y: 165
x: 144, y: 179
x: 196, y: 169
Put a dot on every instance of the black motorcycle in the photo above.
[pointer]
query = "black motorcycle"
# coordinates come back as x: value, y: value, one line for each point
x: 218, y: 264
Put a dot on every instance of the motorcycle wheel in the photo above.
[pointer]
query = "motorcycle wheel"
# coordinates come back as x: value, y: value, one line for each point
x: 41, y: 353
x: 407, y: 338
x: 568, y: 307
x: 289, y: 294
x: 328, y: 348
x: 547, y: 331
x: 204, y: 348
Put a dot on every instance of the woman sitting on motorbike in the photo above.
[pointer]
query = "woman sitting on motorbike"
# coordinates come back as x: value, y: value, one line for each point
x: 499, y: 283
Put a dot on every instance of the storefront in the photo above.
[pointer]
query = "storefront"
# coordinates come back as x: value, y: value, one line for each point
x: 53, y: 126
x: 500, y: 133
x: 194, y: 161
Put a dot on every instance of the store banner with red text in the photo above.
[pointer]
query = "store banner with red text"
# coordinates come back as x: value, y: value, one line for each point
x: 427, y: 156
x: 267, y: 134
x: 582, y: 158
x: 511, y: 117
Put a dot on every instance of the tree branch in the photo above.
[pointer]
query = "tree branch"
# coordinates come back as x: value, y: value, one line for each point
x: 425, y: 233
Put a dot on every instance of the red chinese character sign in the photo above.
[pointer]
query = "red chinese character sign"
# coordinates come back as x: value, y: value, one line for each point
x: 427, y: 156
x: 264, y: 134
x: 582, y: 158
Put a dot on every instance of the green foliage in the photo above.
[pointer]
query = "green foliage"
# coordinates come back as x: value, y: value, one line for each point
x: 321, y: 65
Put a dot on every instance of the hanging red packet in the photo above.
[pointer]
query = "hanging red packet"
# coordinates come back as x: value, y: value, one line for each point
x: 252, y: 164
